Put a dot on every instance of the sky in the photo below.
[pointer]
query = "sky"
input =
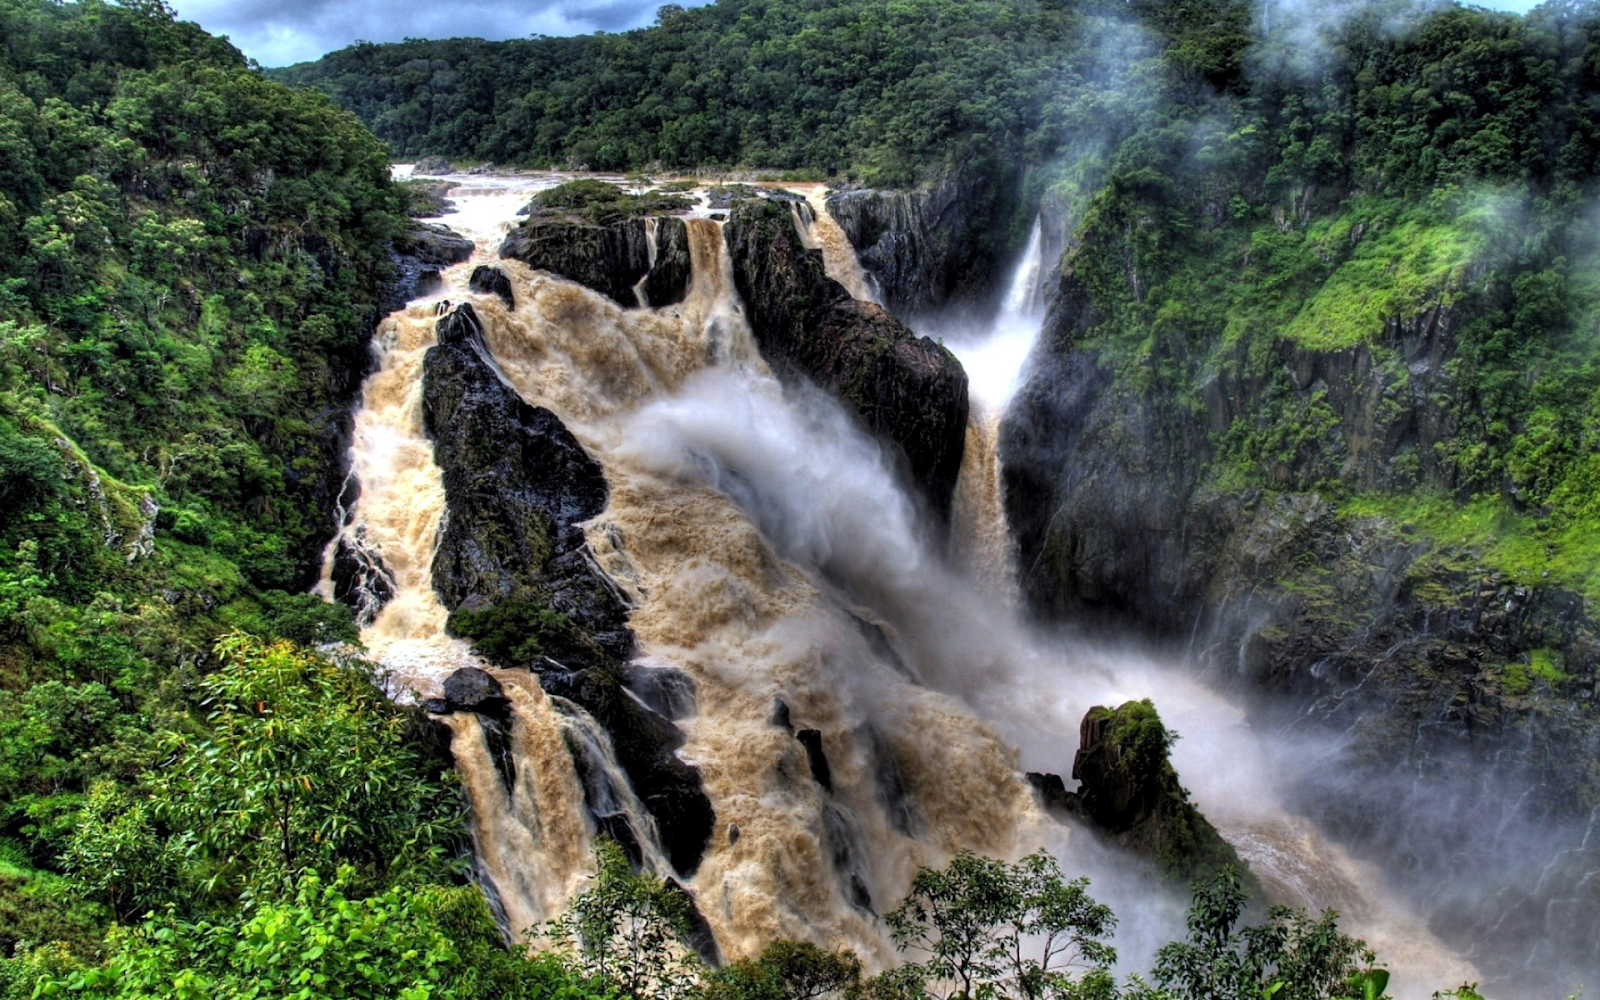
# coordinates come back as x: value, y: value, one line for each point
x: 280, y: 32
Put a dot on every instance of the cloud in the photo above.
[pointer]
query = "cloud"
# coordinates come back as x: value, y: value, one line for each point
x: 280, y: 32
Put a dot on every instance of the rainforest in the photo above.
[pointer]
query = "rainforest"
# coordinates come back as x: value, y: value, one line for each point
x: 1070, y: 499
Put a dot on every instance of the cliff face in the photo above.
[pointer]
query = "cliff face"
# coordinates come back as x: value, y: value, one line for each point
x: 930, y: 245
x: 908, y: 390
x: 1313, y: 581
x: 611, y: 259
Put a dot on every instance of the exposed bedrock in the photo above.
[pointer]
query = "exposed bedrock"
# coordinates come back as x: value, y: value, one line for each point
x: 610, y: 259
x: 1442, y: 672
x: 909, y: 391
x: 932, y: 244
x: 1131, y: 793
x: 420, y: 253
x: 512, y: 568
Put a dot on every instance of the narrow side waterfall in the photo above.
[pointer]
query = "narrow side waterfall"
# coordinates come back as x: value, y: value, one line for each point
x: 767, y: 551
x: 821, y: 231
x: 994, y: 360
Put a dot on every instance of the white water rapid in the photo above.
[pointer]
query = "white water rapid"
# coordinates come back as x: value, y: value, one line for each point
x: 769, y: 553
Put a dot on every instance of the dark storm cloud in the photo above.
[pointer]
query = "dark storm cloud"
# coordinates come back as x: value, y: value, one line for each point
x: 279, y: 32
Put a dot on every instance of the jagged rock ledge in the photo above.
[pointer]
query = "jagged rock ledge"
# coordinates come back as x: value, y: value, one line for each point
x: 908, y: 390
x: 610, y: 259
x: 511, y: 568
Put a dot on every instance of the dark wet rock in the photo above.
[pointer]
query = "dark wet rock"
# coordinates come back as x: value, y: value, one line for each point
x: 432, y: 166
x: 891, y: 783
x: 609, y: 259
x: 602, y: 799
x: 699, y: 937
x: 733, y: 834
x: 473, y: 690
x: 780, y: 715
x: 907, y: 390
x: 512, y: 568
x: 645, y: 745
x: 361, y: 581
x: 668, y: 281
x: 430, y: 281
x: 433, y: 244
x: 943, y: 241
x: 490, y: 280
x: 667, y: 691
x: 419, y: 255
x: 517, y: 483
x: 817, y: 757
x: 1052, y: 793
x: 470, y: 689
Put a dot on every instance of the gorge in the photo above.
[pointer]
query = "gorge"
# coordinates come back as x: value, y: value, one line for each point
x: 779, y: 579
x: 1117, y: 466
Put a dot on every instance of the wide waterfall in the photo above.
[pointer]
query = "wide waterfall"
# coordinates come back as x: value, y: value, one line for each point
x: 766, y: 549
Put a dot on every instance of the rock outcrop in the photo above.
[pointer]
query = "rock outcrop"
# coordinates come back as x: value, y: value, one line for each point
x: 935, y: 243
x: 1130, y: 791
x: 611, y: 259
x: 908, y: 390
x: 667, y: 283
x: 419, y: 254
x: 511, y: 567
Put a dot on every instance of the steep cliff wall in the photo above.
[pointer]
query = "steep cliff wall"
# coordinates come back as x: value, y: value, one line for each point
x: 1300, y: 515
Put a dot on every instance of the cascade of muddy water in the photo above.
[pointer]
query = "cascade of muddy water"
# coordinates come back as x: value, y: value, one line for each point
x: 768, y: 552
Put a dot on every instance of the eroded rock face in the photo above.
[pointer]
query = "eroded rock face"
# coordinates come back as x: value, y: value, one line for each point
x: 668, y: 281
x: 938, y: 242
x: 611, y: 259
x: 1355, y: 623
x: 518, y: 484
x: 908, y: 390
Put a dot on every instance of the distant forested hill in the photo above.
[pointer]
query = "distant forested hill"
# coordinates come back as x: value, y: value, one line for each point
x: 896, y: 91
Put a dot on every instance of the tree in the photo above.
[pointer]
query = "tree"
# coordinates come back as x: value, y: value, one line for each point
x: 631, y: 929
x: 787, y: 970
x: 988, y: 928
x: 1291, y: 957
x: 306, y: 766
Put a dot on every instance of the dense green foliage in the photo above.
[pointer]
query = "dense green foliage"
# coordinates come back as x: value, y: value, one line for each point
x: 895, y: 91
x: 190, y: 261
x: 1364, y: 176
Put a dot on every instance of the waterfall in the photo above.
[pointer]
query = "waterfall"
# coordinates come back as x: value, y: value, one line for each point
x: 768, y: 553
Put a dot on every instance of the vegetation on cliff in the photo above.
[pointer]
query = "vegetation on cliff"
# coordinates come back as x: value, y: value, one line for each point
x: 190, y: 262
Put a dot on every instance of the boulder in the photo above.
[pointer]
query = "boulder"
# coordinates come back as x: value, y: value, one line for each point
x: 490, y: 280
x: 473, y: 690
x: 909, y: 391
